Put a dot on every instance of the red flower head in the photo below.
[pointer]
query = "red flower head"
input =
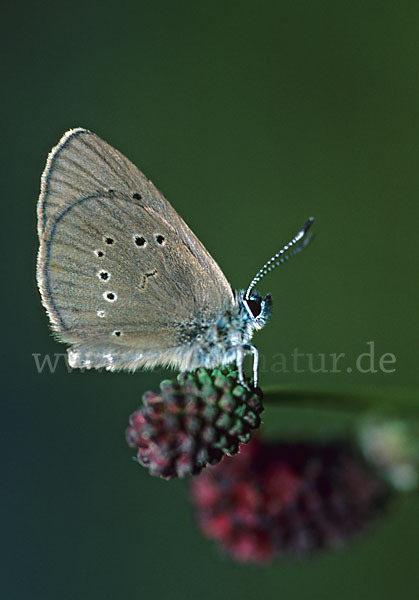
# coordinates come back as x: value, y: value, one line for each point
x: 193, y: 422
x: 286, y: 499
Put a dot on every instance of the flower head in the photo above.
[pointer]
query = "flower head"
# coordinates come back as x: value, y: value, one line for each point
x: 193, y: 422
x: 287, y: 498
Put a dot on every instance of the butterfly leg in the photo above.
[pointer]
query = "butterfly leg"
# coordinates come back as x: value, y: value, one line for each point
x: 239, y: 361
x: 254, y: 351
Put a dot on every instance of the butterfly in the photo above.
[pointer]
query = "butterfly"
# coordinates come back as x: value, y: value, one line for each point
x: 124, y: 280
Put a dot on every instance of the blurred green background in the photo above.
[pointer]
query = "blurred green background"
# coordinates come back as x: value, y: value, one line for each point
x: 250, y: 117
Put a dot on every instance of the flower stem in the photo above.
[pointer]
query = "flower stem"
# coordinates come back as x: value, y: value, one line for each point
x: 389, y: 402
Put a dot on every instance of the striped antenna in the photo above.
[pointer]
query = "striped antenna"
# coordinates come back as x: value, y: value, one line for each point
x: 288, y: 251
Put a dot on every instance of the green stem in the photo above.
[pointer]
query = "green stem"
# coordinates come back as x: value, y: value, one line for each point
x: 390, y: 402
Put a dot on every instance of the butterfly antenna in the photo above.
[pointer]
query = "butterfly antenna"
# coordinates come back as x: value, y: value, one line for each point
x: 298, y: 243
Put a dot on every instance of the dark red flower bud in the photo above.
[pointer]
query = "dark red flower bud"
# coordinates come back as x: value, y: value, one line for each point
x: 193, y: 422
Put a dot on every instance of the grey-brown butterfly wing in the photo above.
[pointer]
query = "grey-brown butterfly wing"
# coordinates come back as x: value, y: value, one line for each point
x: 123, y: 278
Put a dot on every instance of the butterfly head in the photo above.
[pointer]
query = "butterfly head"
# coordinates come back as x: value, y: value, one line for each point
x: 256, y: 308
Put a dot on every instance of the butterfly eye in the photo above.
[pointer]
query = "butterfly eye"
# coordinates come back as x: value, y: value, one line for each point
x: 137, y: 196
x: 255, y: 306
x: 99, y: 253
x: 109, y: 241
